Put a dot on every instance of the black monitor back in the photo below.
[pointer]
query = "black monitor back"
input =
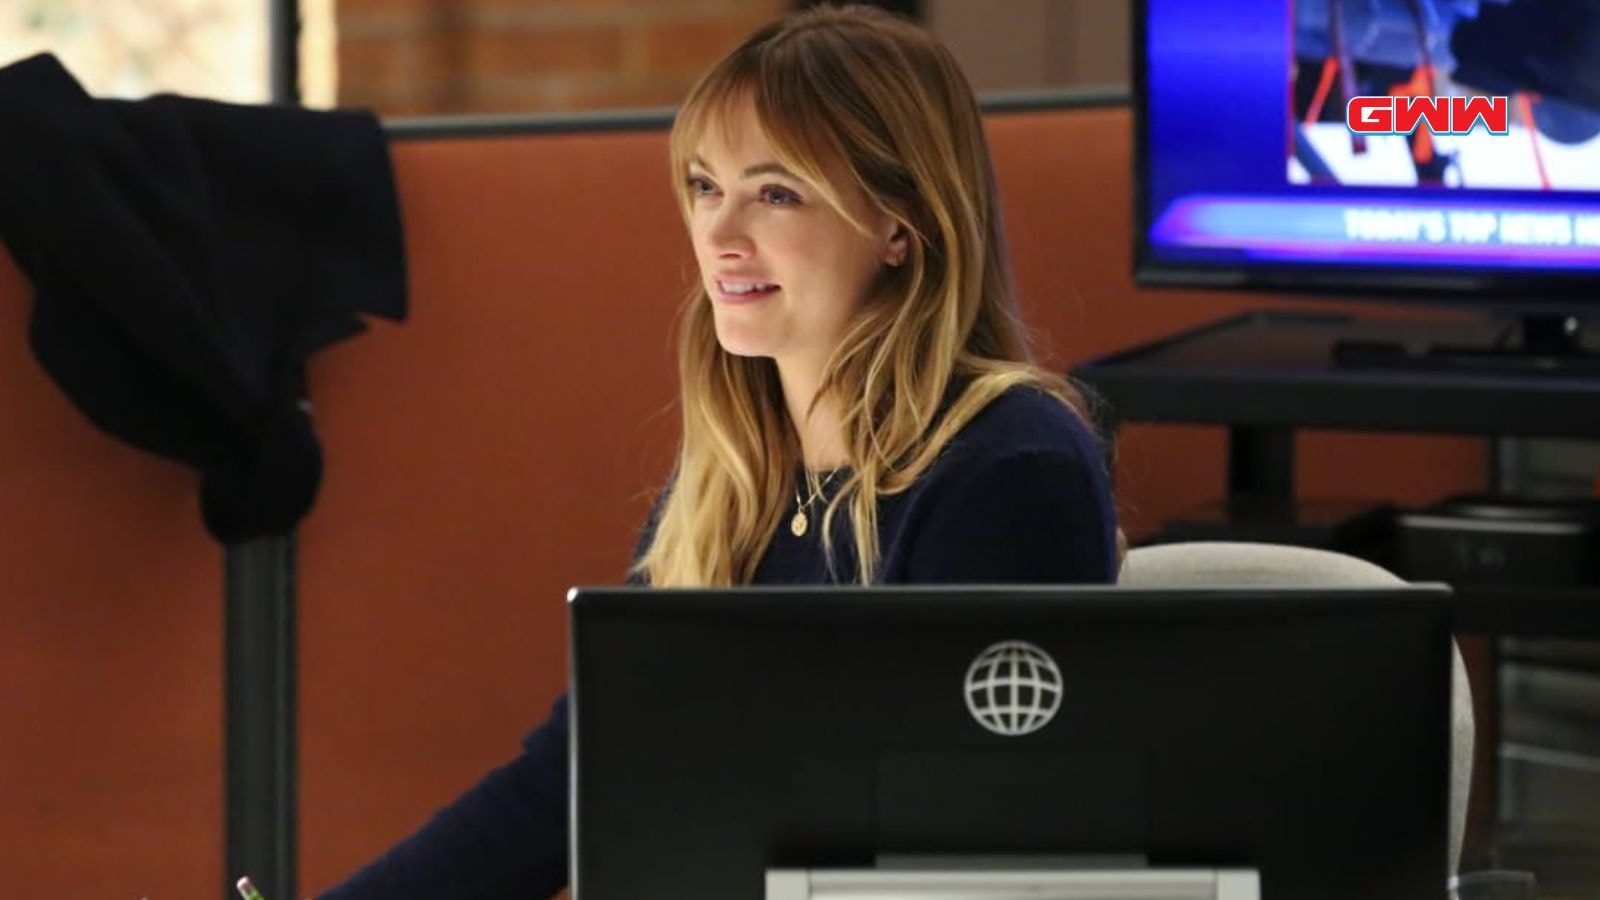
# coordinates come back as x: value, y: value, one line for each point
x: 717, y: 734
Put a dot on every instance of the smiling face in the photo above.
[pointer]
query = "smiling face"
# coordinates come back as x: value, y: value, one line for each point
x: 784, y: 269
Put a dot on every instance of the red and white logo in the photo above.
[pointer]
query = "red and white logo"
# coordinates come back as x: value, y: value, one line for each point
x: 1442, y: 115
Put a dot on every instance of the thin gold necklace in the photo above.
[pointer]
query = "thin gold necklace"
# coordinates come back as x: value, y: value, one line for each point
x: 800, y: 522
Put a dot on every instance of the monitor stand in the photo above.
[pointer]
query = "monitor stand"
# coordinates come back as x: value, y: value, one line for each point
x: 1549, y: 345
x: 1013, y: 884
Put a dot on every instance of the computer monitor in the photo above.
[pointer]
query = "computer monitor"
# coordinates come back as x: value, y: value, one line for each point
x: 720, y: 734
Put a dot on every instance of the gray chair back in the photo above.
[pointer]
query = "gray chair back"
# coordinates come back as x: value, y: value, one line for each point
x: 1244, y: 564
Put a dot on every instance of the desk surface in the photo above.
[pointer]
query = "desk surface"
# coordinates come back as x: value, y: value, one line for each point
x: 1278, y: 369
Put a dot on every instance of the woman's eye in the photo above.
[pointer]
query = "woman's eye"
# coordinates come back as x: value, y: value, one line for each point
x: 700, y: 187
x: 778, y: 196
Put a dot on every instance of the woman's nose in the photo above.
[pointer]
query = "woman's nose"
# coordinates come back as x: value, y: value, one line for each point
x: 727, y: 236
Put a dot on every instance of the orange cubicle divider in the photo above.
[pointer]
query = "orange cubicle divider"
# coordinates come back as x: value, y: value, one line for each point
x: 499, y: 447
x: 110, y: 651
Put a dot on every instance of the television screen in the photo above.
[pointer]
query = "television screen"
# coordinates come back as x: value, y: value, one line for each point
x: 1388, y: 145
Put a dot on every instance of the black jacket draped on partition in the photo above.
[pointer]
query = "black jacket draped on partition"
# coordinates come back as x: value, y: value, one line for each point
x: 187, y: 256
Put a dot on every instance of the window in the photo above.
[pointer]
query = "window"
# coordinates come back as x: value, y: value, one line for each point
x: 207, y: 48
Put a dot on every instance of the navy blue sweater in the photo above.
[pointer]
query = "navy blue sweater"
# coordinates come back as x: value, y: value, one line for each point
x: 1018, y: 496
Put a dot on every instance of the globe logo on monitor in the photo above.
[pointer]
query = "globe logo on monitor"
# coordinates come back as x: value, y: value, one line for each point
x: 1013, y: 688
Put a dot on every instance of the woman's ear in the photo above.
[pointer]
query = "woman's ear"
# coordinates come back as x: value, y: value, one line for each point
x: 899, y: 243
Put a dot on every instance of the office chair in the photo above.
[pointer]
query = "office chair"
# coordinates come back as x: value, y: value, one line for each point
x: 1228, y: 563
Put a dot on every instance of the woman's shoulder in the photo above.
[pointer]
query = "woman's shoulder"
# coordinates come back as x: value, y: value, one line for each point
x: 1025, y: 421
x: 1019, y: 494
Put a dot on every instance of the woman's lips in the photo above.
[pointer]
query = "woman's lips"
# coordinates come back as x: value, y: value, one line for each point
x: 743, y: 292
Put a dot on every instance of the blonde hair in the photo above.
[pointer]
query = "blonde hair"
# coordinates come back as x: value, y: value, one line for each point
x: 885, y: 102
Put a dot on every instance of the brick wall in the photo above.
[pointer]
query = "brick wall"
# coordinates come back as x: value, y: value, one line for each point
x: 436, y: 57
x: 1035, y: 44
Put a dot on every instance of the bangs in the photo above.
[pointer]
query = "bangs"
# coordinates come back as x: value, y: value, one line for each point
x: 797, y: 126
x: 707, y: 112
x: 804, y: 135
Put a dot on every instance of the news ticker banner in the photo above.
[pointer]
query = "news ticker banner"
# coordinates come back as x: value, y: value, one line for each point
x: 1386, y: 231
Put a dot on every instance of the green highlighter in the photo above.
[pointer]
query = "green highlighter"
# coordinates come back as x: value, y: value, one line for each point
x: 248, y: 891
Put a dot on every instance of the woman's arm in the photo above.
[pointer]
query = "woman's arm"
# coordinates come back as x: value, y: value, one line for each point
x: 505, y: 839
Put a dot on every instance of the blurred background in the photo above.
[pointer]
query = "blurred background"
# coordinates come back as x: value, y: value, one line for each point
x: 456, y: 57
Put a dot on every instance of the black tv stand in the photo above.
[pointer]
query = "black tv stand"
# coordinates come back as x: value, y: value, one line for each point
x: 1267, y: 375
x: 1549, y: 345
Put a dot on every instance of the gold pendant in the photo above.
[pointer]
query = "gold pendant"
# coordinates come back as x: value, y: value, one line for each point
x: 797, y: 525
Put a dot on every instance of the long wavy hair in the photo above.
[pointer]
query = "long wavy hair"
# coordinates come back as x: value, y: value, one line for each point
x: 882, y: 100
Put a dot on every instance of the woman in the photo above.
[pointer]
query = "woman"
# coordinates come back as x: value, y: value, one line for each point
x: 857, y: 400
